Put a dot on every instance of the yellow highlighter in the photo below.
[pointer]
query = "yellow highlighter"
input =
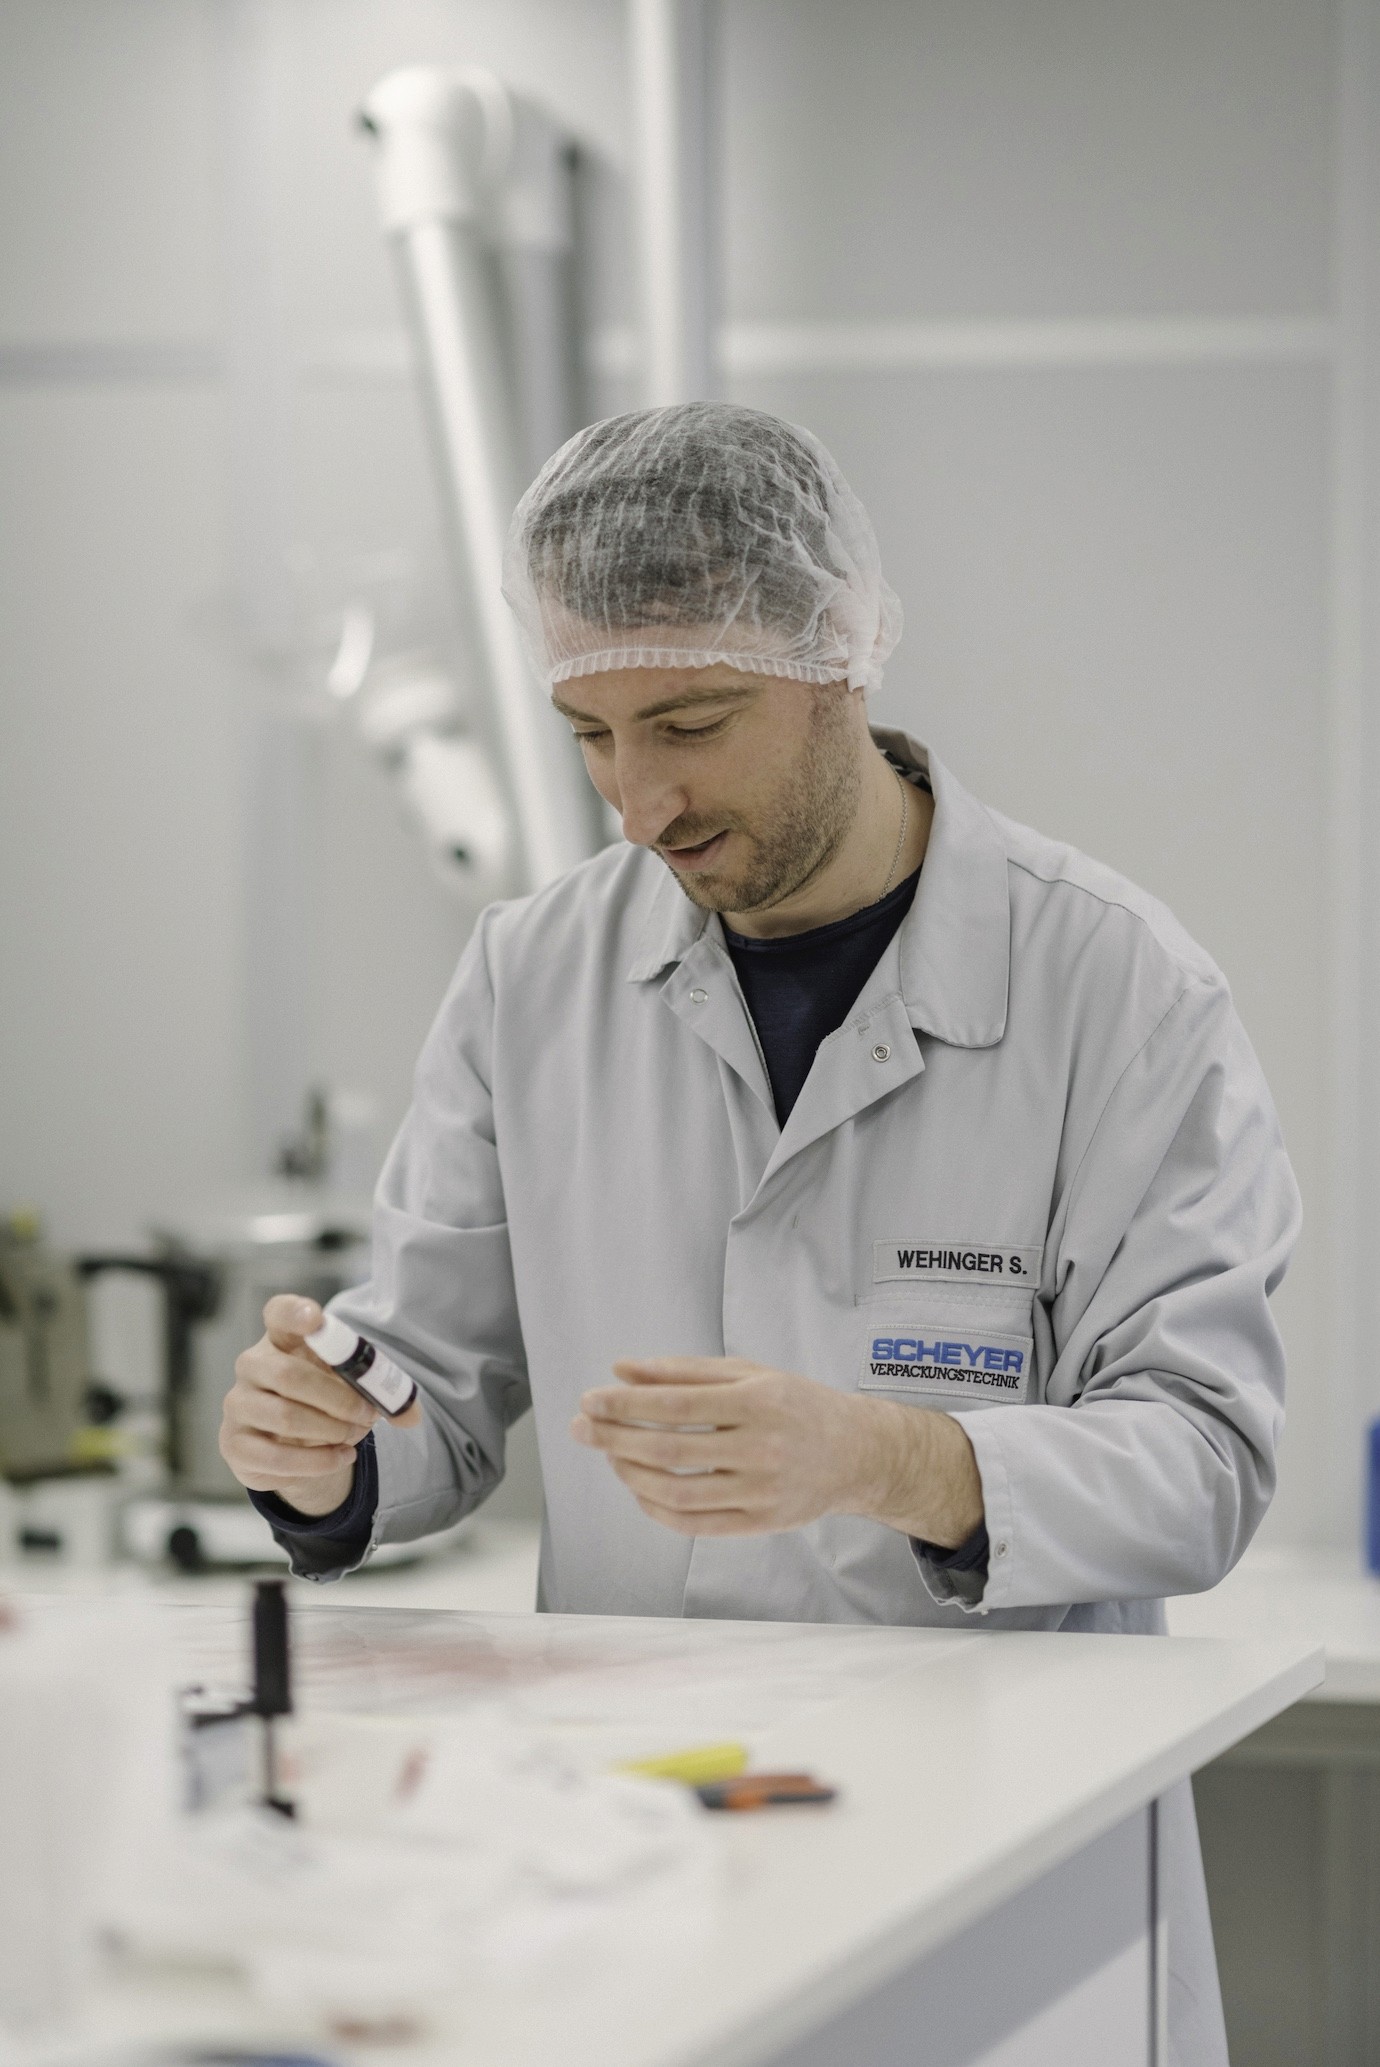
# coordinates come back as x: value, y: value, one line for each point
x: 706, y: 1762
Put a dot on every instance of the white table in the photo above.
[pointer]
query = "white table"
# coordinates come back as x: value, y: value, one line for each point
x: 1298, y: 1593
x: 997, y: 1791
x: 492, y: 1567
x: 1290, y: 1817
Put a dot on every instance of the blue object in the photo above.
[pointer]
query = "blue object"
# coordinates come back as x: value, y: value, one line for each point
x: 1373, y: 1497
x: 238, y: 2059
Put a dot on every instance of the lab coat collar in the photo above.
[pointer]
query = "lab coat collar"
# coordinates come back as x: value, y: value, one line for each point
x: 955, y: 941
x: 673, y: 926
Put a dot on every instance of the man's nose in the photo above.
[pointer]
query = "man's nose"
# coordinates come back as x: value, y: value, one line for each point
x: 648, y: 803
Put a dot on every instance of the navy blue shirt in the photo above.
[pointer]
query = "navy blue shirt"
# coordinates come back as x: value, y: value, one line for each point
x: 334, y: 1541
x: 802, y: 986
x: 799, y: 988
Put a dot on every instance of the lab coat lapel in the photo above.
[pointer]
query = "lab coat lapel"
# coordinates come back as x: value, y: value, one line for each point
x: 871, y: 1055
x: 703, y: 992
x: 945, y: 973
x: 700, y: 985
x: 955, y: 943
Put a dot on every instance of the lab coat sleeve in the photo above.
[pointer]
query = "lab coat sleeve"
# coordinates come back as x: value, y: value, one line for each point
x: 440, y: 1297
x: 1148, y: 1467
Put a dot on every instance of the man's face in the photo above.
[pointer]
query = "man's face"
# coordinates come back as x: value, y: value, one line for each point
x: 744, y: 784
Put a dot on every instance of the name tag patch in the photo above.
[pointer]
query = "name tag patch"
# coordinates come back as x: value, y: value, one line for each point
x: 963, y: 1363
x: 991, y: 1263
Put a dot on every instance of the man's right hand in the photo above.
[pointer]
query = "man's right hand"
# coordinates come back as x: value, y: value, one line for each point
x: 290, y: 1425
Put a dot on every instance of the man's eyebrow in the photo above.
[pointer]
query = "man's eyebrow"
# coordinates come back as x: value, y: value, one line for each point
x: 686, y: 699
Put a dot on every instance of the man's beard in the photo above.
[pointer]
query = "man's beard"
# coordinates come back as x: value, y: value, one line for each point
x: 800, y: 836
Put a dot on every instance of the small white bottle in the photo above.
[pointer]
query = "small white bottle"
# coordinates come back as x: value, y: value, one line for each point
x: 374, y: 1376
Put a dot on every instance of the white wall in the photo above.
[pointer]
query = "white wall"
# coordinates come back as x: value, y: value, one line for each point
x: 1056, y: 280
x: 1116, y: 576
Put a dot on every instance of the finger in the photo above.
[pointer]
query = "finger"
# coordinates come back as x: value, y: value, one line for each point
x: 664, y: 1452
x: 271, y: 1413
x: 300, y: 1377
x: 278, y: 1462
x: 701, y: 1493
x: 727, y: 1522
x: 683, y: 1370
x: 261, y: 1414
x: 672, y: 1406
x: 288, y: 1317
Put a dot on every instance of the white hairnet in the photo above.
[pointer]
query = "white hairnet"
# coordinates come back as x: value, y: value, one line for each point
x: 705, y: 532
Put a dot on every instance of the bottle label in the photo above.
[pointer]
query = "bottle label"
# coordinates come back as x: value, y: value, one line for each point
x: 385, y: 1384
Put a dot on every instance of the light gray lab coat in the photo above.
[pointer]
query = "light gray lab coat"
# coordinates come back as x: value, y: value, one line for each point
x: 1036, y: 1177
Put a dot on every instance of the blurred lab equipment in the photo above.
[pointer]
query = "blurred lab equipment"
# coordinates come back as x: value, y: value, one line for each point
x: 214, y: 1747
x: 272, y: 1696
x: 477, y: 197
x: 44, y: 1361
x: 53, y: 1769
x: 58, y: 1491
x: 191, y: 1293
x: 673, y: 52
x: 408, y: 711
x: 214, y: 1274
x: 217, y: 1270
x: 87, y: 1773
x: 293, y: 1235
x: 474, y: 192
x: 218, y: 1726
x: 62, y: 1493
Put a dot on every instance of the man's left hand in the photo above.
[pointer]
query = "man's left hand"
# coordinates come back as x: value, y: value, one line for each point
x: 717, y: 1446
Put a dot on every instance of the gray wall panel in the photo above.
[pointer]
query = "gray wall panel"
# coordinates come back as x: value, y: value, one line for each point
x: 989, y: 157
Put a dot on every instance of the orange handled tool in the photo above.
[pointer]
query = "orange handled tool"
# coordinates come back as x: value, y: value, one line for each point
x: 763, y: 1791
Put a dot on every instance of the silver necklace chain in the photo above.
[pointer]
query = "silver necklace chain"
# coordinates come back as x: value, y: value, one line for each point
x: 901, y: 835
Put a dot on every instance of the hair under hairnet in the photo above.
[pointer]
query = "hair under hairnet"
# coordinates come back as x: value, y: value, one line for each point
x: 705, y: 532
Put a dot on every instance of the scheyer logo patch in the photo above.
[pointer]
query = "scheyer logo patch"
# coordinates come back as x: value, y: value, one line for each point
x: 990, y: 1263
x: 963, y: 1363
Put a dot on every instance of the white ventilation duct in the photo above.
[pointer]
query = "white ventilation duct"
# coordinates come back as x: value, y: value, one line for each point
x: 473, y: 189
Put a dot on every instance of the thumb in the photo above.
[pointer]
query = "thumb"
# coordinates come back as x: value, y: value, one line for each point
x: 289, y: 1316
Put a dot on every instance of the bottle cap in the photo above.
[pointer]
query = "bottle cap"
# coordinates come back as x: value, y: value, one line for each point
x: 335, y: 1341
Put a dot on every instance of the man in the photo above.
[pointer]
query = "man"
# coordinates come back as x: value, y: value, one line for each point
x: 876, y: 1202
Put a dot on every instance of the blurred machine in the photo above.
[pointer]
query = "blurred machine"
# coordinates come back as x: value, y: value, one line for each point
x: 57, y: 1418
x: 476, y: 195
x: 215, y: 1274
x: 45, y: 1381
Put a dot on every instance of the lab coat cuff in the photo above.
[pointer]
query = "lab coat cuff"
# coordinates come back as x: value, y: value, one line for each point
x: 983, y: 1430
x: 414, y: 1498
x: 328, y: 1546
x: 948, y: 1586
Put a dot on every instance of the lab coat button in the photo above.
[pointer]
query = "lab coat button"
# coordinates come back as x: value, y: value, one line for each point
x: 999, y: 1550
x: 881, y: 1053
x: 697, y: 997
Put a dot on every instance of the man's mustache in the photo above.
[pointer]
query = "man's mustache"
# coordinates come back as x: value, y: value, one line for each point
x: 693, y: 832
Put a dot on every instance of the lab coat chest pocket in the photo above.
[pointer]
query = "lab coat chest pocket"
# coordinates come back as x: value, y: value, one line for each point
x: 948, y: 1347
